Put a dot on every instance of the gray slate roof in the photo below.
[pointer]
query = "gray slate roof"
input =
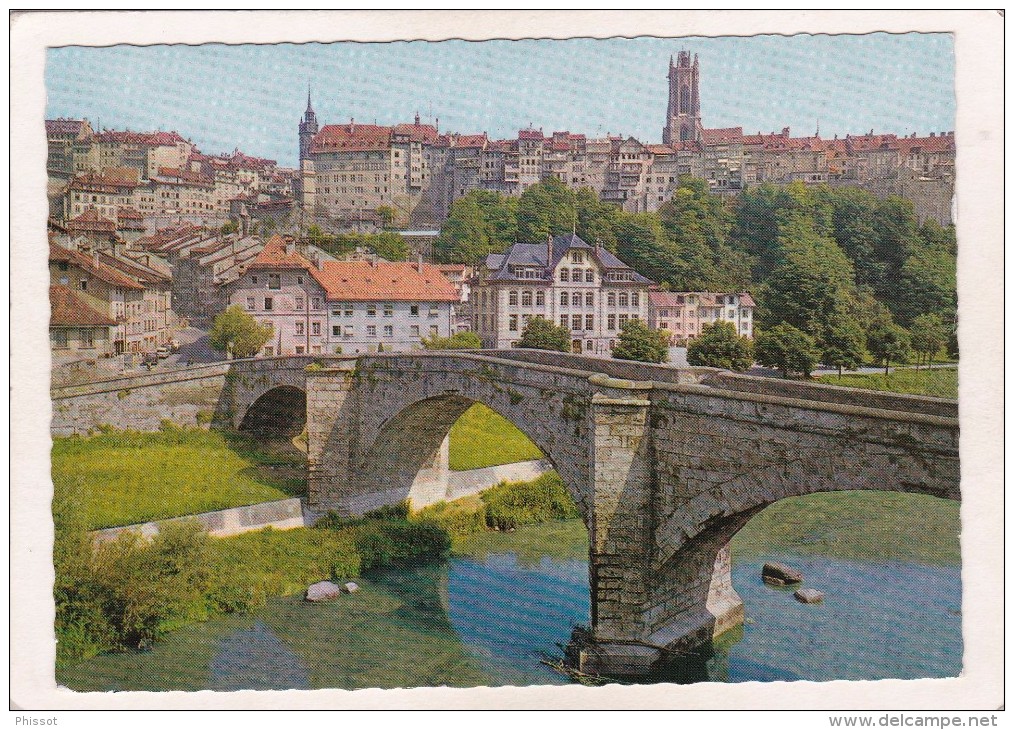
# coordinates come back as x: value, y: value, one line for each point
x: 537, y: 255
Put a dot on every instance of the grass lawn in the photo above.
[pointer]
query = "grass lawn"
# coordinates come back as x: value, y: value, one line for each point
x: 482, y: 437
x: 939, y: 382
x: 877, y: 526
x: 122, y: 478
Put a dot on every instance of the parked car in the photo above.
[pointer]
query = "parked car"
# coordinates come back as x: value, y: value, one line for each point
x: 149, y: 360
x: 163, y: 352
x: 174, y: 346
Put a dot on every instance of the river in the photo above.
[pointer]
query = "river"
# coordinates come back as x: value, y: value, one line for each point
x: 503, y: 600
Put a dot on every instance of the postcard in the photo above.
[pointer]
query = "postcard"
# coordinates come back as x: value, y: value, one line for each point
x: 506, y: 359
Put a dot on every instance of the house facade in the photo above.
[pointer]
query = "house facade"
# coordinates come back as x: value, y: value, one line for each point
x: 349, y: 307
x: 565, y: 280
x: 683, y: 314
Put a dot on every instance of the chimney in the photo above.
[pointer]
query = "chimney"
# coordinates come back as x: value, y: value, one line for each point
x: 419, y: 263
x: 95, y: 257
x: 549, y: 250
x: 290, y: 245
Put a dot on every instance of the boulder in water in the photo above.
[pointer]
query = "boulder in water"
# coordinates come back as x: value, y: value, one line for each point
x: 351, y: 587
x: 776, y: 574
x: 809, y: 595
x: 325, y: 590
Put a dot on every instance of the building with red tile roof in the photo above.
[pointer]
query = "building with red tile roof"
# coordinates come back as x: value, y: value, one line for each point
x: 76, y: 328
x: 683, y: 314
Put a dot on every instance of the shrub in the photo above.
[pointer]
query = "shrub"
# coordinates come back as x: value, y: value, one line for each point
x: 464, y: 516
x: 510, y: 504
x: 397, y: 511
x: 384, y: 543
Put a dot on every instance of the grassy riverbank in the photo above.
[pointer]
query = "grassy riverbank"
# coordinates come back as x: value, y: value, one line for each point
x: 938, y: 382
x: 482, y: 437
x: 126, y: 477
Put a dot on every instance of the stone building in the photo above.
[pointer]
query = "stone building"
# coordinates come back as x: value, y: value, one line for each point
x: 76, y: 328
x: 324, y: 306
x: 683, y: 314
x: 135, y: 296
x: 564, y: 280
x: 383, y: 305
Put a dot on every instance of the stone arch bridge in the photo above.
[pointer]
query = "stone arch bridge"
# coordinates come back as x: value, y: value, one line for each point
x: 665, y: 464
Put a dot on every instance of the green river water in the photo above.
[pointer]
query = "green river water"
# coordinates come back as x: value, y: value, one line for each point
x: 890, y: 565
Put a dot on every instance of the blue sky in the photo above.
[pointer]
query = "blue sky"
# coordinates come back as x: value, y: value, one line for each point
x: 251, y: 96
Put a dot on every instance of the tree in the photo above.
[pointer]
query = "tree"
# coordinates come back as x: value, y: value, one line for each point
x: 638, y: 342
x: 843, y: 343
x: 541, y: 334
x: 238, y: 334
x: 720, y: 346
x: 457, y: 341
x: 480, y: 222
x: 928, y: 283
x: 387, y: 215
x: 229, y: 227
x: 811, y: 282
x: 888, y: 342
x: 788, y: 349
x: 546, y: 209
x: 928, y: 335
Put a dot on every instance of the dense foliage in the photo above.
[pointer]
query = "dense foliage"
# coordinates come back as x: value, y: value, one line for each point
x: 831, y: 262
x: 788, y: 349
x: 387, y: 245
x: 541, y: 334
x: 238, y: 334
x: 457, y: 341
x: 639, y: 342
x: 720, y: 346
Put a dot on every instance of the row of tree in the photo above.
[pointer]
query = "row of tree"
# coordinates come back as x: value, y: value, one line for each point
x: 855, y: 274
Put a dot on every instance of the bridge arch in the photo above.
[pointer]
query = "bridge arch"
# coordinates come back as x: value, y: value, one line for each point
x: 406, y: 453
x: 279, y: 412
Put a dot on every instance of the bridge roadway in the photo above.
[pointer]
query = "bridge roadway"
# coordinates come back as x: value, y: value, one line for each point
x: 665, y: 464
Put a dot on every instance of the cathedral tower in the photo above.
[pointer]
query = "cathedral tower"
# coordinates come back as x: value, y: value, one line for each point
x: 307, y: 129
x: 683, y: 120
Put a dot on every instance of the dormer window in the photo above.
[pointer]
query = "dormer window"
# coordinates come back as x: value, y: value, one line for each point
x: 576, y: 257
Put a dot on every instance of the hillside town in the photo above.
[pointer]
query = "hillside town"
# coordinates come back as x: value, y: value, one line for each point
x: 151, y: 238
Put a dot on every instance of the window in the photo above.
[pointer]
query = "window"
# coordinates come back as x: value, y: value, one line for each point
x: 434, y: 311
x: 371, y: 310
x: 315, y: 302
x: 299, y: 303
x: 59, y: 339
x: 299, y: 279
x: 251, y: 303
x: 565, y: 320
x: 512, y: 298
x: 589, y: 276
x: 611, y: 322
x: 371, y: 330
x: 269, y: 304
x: 299, y: 328
x: 512, y: 324
x: 84, y: 284
x: 635, y: 299
x: 253, y: 279
x: 576, y: 257
x: 564, y: 274
x: 348, y: 310
x: 526, y: 298
x: 589, y: 321
x: 388, y: 330
x: 63, y: 266
x: 274, y: 281
x: 336, y: 330
x: 623, y: 320
x: 624, y: 299
x: 540, y: 299
x: 575, y: 322
x: 525, y: 319
x: 564, y: 299
x: 434, y: 330
x: 315, y: 329
x: 414, y: 310
x: 414, y: 330
x: 299, y: 350
x: 611, y: 299
x: 589, y: 299
x: 350, y: 331
x: 388, y: 310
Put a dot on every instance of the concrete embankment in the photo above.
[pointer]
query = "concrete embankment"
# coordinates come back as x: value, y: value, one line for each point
x: 286, y: 514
